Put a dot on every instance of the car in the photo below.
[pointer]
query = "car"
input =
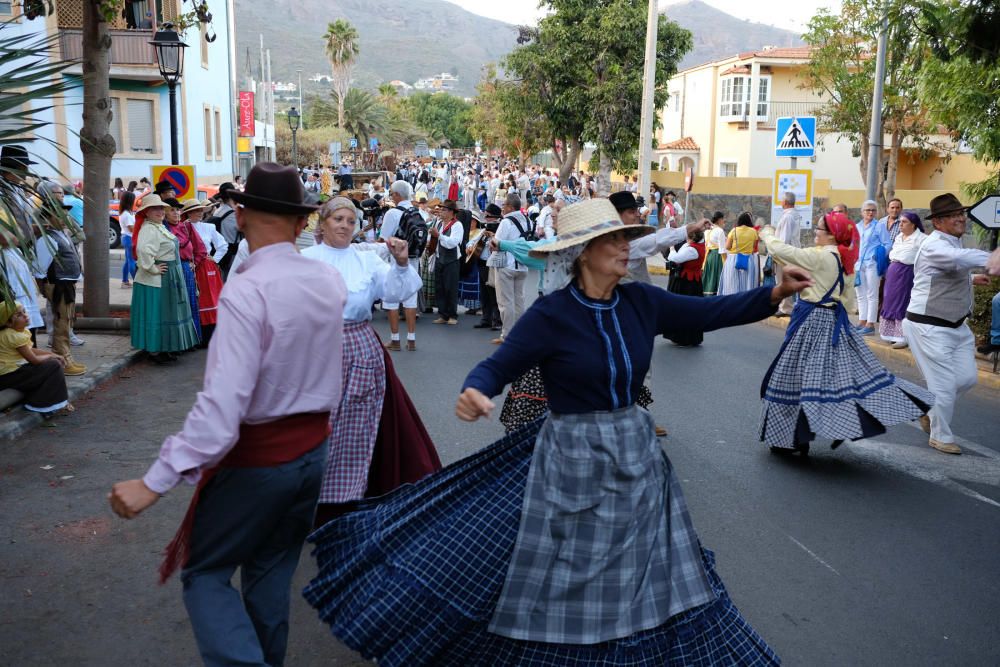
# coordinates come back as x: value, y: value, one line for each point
x: 203, y: 193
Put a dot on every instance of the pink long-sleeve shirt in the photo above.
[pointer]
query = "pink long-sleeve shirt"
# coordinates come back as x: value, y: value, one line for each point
x: 278, y: 314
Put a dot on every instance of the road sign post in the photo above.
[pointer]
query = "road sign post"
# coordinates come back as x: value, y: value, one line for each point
x: 795, y: 137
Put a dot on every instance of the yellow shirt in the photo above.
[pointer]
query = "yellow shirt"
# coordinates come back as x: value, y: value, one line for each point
x: 743, y: 239
x: 819, y: 261
x: 154, y: 245
x: 10, y: 340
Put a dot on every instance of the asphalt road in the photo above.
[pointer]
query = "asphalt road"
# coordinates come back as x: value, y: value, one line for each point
x: 881, y: 553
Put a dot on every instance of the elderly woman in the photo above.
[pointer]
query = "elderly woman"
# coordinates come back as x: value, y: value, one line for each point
x: 569, y: 541
x: 368, y: 278
x: 207, y: 274
x: 825, y: 381
x: 899, y: 278
x: 874, y: 244
x: 161, y: 315
x: 740, y: 272
x: 190, y: 251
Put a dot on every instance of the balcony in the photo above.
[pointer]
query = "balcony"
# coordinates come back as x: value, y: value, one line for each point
x: 128, y: 47
x: 768, y: 113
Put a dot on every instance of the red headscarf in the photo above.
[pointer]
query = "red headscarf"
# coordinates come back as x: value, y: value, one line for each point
x: 848, y: 240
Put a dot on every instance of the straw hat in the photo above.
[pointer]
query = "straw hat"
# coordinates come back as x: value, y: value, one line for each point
x: 150, y: 201
x: 583, y: 222
x: 192, y: 205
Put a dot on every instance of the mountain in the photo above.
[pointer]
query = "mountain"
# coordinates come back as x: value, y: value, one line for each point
x: 399, y: 39
x: 407, y: 40
x: 718, y: 35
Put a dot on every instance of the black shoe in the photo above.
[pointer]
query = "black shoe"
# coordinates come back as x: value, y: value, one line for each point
x: 496, y: 327
x: 802, y: 448
x: 987, y: 348
x: 836, y: 443
x: 482, y: 325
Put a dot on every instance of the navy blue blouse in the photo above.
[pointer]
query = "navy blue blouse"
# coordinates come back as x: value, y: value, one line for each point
x: 594, y: 353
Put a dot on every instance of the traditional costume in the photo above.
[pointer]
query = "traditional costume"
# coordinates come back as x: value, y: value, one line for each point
x: 825, y: 381
x: 567, y: 542
x: 899, y: 281
x: 686, y: 280
x: 941, y: 341
x: 715, y: 243
x: 255, y: 440
x: 208, y: 275
x: 190, y: 250
x: 740, y: 272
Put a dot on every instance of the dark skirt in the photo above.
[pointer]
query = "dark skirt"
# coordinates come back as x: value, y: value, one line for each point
x: 413, y: 578
x: 525, y: 401
x: 192, y: 291
x: 896, y: 294
x: 681, y: 285
x: 43, y: 385
x: 468, y: 288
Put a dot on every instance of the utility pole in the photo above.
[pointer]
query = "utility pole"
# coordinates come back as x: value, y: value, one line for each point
x: 302, y: 109
x: 270, y: 118
x: 648, y: 112
x: 875, y: 136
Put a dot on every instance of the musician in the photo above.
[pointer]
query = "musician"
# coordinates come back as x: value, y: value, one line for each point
x: 478, y: 250
x: 447, y: 237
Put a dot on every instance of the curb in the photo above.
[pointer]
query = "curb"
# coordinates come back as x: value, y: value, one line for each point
x: 886, y: 354
x: 19, y: 421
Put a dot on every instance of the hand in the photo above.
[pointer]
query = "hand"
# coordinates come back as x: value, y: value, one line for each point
x: 993, y: 263
x: 494, y: 245
x: 434, y: 232
x: 981, y: 279
x: 61, y: 359
x: 472, y: 405
x: 130, y: 498
x: 161, y: 268
x: 399, y: 249
x: 793, y: 280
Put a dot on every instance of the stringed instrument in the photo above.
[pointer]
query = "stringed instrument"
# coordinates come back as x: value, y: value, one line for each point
x: 475, y: 250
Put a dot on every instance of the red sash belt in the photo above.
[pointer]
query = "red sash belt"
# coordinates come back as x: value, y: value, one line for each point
x: 258, y: 446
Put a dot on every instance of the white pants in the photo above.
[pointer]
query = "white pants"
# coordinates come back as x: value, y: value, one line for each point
x: 868, y: 294
x: 510, y: 297
x: 947, y: 360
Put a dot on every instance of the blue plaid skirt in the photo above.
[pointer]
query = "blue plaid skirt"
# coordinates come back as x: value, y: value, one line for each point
x: 468, y: 289
x: 414, y: 577
x: 192, y: 291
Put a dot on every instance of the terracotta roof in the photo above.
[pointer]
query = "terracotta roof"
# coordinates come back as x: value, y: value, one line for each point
x: 685, y: 144
x: 802, y: 52
x: 736, y: 69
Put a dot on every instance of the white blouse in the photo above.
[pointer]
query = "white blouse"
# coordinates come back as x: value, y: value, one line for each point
x: 368, y: 278
x: 904, y: 248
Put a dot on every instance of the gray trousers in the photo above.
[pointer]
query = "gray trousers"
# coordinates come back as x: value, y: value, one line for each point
x: 255, y: 519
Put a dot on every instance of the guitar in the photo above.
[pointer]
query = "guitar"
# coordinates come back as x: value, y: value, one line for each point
x: 475, y: 250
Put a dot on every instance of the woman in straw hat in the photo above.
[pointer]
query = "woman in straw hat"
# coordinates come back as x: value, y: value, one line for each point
x: 825, y: 381
x: 190, y: 251
x: 207, y: 274
x: 568, y: 541
x: 162, y: 322
x: 364, y: 369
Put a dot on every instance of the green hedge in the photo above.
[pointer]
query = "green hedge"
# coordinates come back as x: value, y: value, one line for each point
x: 982, y: 308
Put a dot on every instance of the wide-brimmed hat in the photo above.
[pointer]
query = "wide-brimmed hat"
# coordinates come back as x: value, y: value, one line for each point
x: 945, y: 204
x: 172, y: 203
x: 449, y: 204
x: 493, y: 211
x: 150, y: 201
x: 434, y: 202
x: 623, y: 201
x: 272, y: 188
x: 193, y: 205
x: 583, y: 222
x: 14, y: 156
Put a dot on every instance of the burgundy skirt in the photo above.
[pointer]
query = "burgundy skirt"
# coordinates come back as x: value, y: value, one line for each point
x: 896, y: 294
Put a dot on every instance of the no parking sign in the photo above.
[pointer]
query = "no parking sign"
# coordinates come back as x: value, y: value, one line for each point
x: 181, y: 176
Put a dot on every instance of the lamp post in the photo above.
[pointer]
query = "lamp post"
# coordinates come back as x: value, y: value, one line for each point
x: 170, y: 59
x: 293, y: 125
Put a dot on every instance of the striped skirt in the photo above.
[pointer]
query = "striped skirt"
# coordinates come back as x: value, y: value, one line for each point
x: 711, y: 274
x: 736, y: 280
x: 192, y: 291
x: 426, y: 296
x: 814, y: 389
x: 355, y: 421
x: 468, y: 289
x: 413, y: 578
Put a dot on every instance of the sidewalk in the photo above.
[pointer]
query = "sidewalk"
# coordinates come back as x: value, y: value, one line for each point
x: 104, y: 354
x: 886, y: 354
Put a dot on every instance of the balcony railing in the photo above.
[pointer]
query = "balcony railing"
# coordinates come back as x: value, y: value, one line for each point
x: 128, y: 47
x: 768, y: 113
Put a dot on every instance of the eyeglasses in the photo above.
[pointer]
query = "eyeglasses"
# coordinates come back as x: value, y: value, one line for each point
x: 870, y: 210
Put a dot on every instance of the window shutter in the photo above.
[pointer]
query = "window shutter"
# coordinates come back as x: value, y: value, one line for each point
x: 115, y: 128
x: 141, y: 126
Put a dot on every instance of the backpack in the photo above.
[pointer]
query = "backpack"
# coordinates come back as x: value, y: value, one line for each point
x: 412, y: 229
x: 526, y: 234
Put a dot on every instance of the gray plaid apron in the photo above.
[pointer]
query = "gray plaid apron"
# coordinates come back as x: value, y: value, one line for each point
x: 605, y: 546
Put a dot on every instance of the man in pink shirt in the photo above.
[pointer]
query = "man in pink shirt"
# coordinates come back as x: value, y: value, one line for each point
x: 255, y: 440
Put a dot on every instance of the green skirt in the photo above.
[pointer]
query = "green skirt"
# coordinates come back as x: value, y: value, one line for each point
x: 161, y: 316
x: 711, y: 274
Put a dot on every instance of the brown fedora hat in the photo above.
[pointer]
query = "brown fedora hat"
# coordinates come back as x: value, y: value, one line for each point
x: 272, y: 188
x: 945, y: 204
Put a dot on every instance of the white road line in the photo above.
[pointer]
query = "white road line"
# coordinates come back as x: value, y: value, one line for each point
x: 815, y: 557
x: 967, y: 444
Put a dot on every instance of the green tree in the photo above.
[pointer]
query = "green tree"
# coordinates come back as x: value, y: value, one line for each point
x: 360, y: 115
x: 582, y: 68
x: 441, y: 115
x: 341, y: 45
x: 504, y: 116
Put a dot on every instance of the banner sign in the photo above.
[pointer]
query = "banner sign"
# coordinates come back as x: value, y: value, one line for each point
x: 246, y: 114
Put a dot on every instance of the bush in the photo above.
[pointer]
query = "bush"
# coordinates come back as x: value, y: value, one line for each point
x: 313, y: 144
x: 982, y: 309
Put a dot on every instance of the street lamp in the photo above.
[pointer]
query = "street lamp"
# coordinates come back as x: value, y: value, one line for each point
x: 170, y: 59
x: 293, y: 125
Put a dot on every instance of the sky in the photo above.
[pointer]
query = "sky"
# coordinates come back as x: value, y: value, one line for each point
x: 761, y: 11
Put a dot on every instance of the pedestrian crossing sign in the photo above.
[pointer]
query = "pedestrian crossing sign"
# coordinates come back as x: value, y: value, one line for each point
x: 795, y: 136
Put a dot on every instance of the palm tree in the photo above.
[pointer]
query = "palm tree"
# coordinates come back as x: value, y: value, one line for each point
x: 388, y: 94
x: 342, y: 49
x: 360, y: 115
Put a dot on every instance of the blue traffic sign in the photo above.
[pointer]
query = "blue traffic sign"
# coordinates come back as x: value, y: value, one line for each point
x: 795, y: 136
x: 353, y: 143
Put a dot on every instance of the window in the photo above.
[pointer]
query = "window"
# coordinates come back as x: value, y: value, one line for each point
x: 204, y: 45
x: 135, y: 124
x: 735, y: 97
x: 676, y: 96
x: 6, y: 8
x: 727, y: 169
x: 218, y: 134
x: 207, y: 124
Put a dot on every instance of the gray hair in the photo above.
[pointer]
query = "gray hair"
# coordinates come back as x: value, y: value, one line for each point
x: 401, y: 188
x: 789, y: 199
x: 871, y: 202
x: 513, y: 201
x: 335, y: 204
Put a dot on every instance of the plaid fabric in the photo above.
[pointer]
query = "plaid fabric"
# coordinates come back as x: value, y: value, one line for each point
x: 733, y: 280
x: 412, y: 579
x: 355, y: 422
x: 841, y: 393
x: 192, y: 291
x: 468, y: 289
x: 427, y: 293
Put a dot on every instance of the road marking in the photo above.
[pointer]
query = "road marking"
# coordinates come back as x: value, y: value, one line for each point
x: 967, y: 444
x: 815, y: 557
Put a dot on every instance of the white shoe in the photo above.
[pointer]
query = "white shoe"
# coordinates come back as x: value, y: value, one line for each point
x: 76, y: 341
x: 900, y: 345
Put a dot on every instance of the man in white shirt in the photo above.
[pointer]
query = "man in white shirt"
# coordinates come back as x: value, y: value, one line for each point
x: 543, y: 224
x: 511, y: 277
x: 447, y: 261
x: 523, y: 186
x: 400, y: 193
x: 788, y: 230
